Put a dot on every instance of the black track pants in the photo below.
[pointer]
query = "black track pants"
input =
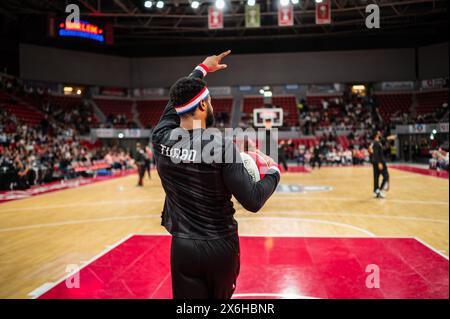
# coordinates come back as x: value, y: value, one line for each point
x: 376, y: 176
x: 204, y: 269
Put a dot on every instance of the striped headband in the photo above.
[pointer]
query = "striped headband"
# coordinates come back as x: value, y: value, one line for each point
x: 203, y: 94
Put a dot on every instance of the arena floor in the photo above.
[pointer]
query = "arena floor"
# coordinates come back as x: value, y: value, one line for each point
x: 40, y: 236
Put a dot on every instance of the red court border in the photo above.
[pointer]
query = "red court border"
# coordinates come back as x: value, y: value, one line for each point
x: 46, y: 287
x: 420, y: 170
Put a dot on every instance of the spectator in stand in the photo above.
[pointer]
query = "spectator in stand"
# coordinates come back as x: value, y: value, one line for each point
x: 301, y: 159
x: 348, y: 157
x: 282, y: 155
x: 393, y: 151
x: 439, y: 159
x: 34, y: 155
x: 316, y: 157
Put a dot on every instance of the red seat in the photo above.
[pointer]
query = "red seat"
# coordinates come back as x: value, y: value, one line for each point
x: 428, y: 102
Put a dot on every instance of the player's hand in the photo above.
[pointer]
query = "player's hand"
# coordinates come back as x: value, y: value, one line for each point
x: 213, y: 62
x: 269, y: 160
x: 380, y: 166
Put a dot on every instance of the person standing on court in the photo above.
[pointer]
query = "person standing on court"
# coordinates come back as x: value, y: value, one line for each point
x: 198, y: 211
x: 282, y: 155
x: 140, y: 160
x: 148, y: 161
x: 317, y: 157
x: 379, y: 166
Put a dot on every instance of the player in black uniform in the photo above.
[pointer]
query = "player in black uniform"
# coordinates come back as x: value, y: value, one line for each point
x: 198, y: 210
x: 140, y: 159
x: 379, y: 166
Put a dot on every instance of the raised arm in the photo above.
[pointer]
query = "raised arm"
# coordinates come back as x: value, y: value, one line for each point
x: 169, y: 119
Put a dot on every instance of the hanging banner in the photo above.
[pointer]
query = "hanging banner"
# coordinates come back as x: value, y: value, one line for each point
x: 252, y: 16
x: 323, y: 12
x: 215, y: 18
x: 286, y: 15
x: 109, y: 33
x: 51, y: 27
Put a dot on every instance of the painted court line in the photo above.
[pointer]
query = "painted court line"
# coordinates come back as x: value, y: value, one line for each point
x: 56, y: 187
x: 400, y: 217
x: 317, y: 221
x: 119, y: 218
x: 49, y: 285
x: 431, y: 247
x: 148, y: 200
x: 77, y: 222
x: 86, y: 204
x: 302, y: 197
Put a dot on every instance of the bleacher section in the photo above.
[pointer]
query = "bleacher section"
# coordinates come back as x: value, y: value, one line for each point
x: 289, y: 106
x: 390, y: 103
x: 224, y: 104
x: 428, y: 102
x: 59, y: 102
x: 66, y: 102
x: 27, y: 107
x: 115, y: 107
x: 222, y: 109
x: 251, y: 103
x: 150, y: 111
x: 308, y: 142
x: 23, y: 112
x: 343, y: 140
x: 4, y: 97
x: 287, y: 103
x: 314, y: 100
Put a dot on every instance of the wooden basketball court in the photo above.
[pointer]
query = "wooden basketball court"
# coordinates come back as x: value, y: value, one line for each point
x: 40, y: 236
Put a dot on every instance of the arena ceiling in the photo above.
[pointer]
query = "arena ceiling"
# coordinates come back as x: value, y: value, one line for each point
x: 178, y: 29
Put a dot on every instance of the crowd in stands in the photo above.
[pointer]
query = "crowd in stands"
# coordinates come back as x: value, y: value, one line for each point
x: 439, y: 159
x: 222, y: 119
x: 327, y: 151
x: 119, y: 120
x: 31, y: 155
x: 348, y: 112
x: 78, y: 117
x: 440, y: 114
x: 51, y: 150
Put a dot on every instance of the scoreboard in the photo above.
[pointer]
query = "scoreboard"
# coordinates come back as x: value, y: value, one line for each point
x: 81, y: 29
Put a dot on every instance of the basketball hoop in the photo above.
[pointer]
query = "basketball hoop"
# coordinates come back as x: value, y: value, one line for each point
x: 267, y: 117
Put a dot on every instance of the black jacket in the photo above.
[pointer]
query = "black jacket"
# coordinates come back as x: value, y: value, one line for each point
x: 198, y: 194
x: 377, y: 155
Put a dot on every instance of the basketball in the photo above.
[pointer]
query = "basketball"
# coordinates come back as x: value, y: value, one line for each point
x: 255, y: 165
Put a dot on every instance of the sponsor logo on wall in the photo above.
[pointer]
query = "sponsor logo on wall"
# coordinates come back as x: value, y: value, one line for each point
x: 295, y: 188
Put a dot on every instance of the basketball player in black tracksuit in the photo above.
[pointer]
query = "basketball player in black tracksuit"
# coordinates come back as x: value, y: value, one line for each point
x: 140, y: 159
x: 198, y: 210
x: 379, y: 167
